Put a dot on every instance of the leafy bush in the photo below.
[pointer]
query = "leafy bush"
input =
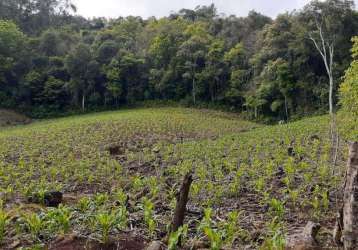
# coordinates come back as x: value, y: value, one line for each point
x: 349, y: 96
x: 349, y: 88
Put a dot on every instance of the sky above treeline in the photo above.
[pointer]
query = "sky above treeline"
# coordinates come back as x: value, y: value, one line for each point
x: 160, y: 8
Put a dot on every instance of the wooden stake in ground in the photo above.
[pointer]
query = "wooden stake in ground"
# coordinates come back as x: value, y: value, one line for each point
x: 182, y: 200
x: 350, y: 201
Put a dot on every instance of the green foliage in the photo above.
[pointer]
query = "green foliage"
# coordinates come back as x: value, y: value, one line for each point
x: 4, y: 221
x: 60, y: 219
x: 11, y: 39
x: 231, y: 228
x: 275, y: 239
x: 35, y: 224
x: 349, y: 88
x: 176, y: 237
x: 114, y: 85
x: 277, y: 208
x: 121, y: 197
x: 212, y: 234
x: 214, y: 238
x: 148, y: 209
x: 266, y: 68
x: 114, y: 159
x: 263, y: 67
x: 84, y: 204
x: 105, y: 222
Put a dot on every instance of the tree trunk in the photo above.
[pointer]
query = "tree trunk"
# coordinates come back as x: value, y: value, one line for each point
x: 350, y: 201
x: 83, y: 102
x: 212, y: 92
x: 330, y: 94
x: 327, y: 57
x: 286, y: 108
x: 194, y: 89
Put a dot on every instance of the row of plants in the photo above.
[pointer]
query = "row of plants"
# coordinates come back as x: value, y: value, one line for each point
x: 250, y: 188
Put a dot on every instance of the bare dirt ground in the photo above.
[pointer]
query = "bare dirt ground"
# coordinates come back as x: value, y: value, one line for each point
x: 9, y: 118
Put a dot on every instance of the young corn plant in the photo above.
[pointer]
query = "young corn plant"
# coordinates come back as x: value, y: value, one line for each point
x: 60, y: 219
x: 231, y: 227
x: 275, y: 239
x: 4, y: 221
x: 277, y: 208
x: 153, y: 186
x: 320, y: 199
x: 316, y: 204
x: 215, y: 238
x: 148, y: 208
x: 177, y: 237
x: 101, y: 199
x: 121, y: 217
x: 121, y: 197
x: 137, y: 183
x: 293, y: 194
x: 35, y: 224
x: 259, y: 184
x: 195, y: 189
x: 84, y: 204
x: 105, y: 222
x: 206, y: 226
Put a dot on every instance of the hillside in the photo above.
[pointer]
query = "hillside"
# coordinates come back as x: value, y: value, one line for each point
x: 9, y: 117
x: 54, y: 61
x: 119, y: 172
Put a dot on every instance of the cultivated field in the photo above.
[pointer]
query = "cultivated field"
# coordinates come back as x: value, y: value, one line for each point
x: 119, y: 173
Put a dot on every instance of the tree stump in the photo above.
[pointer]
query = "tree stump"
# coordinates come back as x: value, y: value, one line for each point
x: 338, y: 228
x: 304, y: 240
x: 350, y: 201
x: 182, y: 200
x: 155, y: 245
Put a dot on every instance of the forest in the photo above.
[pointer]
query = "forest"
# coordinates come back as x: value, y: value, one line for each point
x: 53, y: 61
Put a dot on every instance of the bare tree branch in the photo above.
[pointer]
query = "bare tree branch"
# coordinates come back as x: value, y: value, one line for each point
x: 328, y: 56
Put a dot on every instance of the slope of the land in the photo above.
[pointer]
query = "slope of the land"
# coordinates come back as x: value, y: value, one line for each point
x: 119, y: 172
x: 9, y: 118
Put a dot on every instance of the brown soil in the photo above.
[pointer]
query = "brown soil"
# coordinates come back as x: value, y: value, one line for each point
x: 72, y: 242
x: 8, y: 118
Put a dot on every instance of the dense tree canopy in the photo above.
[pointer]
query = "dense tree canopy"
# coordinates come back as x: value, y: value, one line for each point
x: 53, y: 60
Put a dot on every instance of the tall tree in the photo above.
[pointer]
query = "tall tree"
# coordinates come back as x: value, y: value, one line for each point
x: 34, y: 16
x: 12, y: 61
x: 327, y: 19
x: 114, y: 82
x: 239, y: 74
x: 78, y: 66
x: 193, y: 52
